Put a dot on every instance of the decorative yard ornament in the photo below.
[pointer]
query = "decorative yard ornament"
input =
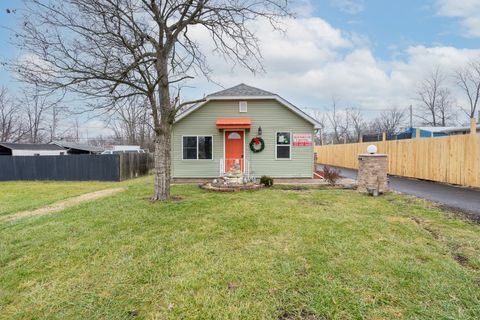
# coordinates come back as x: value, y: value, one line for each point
x: 372, y: 149
x: 257, y: 144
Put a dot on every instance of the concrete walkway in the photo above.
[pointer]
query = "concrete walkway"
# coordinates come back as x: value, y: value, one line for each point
x: 463, y: 199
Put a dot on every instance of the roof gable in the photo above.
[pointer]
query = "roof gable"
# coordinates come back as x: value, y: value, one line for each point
x: 245, y: 92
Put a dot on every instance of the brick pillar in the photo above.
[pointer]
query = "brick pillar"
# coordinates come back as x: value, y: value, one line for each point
x: 372, y: 173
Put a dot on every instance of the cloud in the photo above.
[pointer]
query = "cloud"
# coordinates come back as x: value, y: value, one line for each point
x: 313, y: 61
x: 466, y: 10
x: 349, y: 6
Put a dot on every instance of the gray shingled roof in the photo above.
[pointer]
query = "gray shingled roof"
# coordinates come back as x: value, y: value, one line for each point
x: 30, y: 146
x: 78, y: 146
x: 241, y: 90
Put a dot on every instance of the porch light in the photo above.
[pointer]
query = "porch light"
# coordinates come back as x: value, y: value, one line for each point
x: 259, y: 131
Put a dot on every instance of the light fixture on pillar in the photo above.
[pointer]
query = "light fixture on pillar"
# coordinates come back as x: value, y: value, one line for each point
x: 372, y: 149
x: 259, y: 131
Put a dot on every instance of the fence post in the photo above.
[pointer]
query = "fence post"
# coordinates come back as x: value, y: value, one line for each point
x: 120, y: 169
x: 384, y: 143
x: 416, y: 152
x: 472, y: 155
x: 473, y: 126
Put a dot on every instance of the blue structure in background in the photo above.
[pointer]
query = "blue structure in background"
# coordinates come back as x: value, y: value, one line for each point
x: 424, y: 132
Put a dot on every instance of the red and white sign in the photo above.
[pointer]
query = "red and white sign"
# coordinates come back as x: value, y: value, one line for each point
x: 302, y: 140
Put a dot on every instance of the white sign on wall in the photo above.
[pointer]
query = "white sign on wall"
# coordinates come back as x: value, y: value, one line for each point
x: 302, y: 139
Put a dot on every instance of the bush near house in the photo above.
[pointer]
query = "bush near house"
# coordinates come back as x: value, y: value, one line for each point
x: 267, y: 254
x: 266, y: 181
x: 332, y: 175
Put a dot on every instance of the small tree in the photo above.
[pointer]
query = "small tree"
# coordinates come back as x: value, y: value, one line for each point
x: 339, y: 123
x: 113, y: 50
x: 41, y: 114
x: 390, y: 121
x: 11, y: 127
x: 359, y: 124
x: 332, y: 175
x: 468, y: 79
x: 429, y: 94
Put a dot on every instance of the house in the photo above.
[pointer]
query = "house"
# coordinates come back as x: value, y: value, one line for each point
x: 30, y: 149
x: 78, y: 148
x: 255, y: 130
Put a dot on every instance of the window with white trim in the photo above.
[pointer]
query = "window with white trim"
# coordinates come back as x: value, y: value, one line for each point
x: 197, y: 147
x: 242, y: 106
x: 283, y: 145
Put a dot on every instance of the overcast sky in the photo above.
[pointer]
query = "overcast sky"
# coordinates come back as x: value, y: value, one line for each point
x: 369, y: 54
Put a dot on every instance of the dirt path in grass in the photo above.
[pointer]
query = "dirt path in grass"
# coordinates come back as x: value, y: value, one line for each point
x: 58, y: 206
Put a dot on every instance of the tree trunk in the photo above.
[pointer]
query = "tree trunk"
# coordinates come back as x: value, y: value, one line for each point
x: 163, y: 162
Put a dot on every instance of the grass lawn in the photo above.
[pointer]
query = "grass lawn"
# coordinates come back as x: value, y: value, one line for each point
x: 22, y: 195
x: 269, y: 254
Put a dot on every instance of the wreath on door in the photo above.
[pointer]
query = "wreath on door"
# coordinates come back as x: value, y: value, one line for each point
x: 257, y: 145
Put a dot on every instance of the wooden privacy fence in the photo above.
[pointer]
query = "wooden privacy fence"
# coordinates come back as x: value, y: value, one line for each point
x: 132, y: 165
x: 450, y: 159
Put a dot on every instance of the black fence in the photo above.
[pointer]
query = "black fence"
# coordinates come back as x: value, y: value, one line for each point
x: 75, y: 167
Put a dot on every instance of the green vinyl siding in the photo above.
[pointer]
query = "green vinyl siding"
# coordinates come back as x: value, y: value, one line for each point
x: 269, y: 114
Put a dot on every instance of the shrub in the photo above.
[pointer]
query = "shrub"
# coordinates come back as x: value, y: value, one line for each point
x: 331, y: 175
x: 266, y: 181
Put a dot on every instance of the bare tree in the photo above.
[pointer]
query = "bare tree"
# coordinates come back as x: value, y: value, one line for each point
x: 428, y: 94
x: 322, y: 119
x: 390, y: 121
x: 116, y: 49
x: 41, y: 114
x: 468, y: 79
x: 359, y: 124
x: 339, y: 123
x: 10, y: 121
x: 131, y: 123
x: 444, y: 109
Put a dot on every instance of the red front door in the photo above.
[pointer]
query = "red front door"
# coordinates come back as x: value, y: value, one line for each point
x: 233, y: 149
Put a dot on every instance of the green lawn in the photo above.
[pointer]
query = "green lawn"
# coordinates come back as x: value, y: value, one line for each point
x: 269, y: 254
x: 22, y: 195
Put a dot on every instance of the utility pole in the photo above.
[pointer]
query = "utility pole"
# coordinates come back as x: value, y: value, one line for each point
x: 411, y: 116
x: 54, y: 123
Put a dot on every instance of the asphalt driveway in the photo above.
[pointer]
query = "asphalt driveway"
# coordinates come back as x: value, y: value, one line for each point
x: 462, y: 199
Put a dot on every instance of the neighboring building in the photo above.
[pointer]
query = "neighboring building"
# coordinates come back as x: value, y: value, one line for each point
x: 211, y: 137
x: 426, y: 132
x: 124, y: 149
x: 78, y: 148
x: 30, y: 149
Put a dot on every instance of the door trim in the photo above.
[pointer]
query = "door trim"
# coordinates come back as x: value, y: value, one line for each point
x: 224, y: 142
